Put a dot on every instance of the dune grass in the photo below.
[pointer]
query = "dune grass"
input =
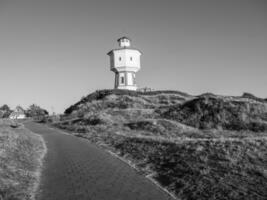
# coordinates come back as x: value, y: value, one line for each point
x: 219, y: 168
x: 222, y: 169
x: 190, y: 163
x: 21, y: 154
x: 203, y: 147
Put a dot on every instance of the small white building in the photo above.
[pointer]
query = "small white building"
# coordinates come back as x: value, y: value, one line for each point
x: 18, y: 113
x: 125, y: 62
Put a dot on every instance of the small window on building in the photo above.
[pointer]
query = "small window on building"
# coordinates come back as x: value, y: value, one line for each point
x: 122, y: 80
x: 119, y: 58
x: 131, y: 58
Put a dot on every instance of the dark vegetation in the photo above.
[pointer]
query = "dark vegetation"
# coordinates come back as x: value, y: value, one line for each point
x: 251, y: 96
x: 5, y: 111
x: 34, y: 111
x: 206, y: 112
x: 198, y: 147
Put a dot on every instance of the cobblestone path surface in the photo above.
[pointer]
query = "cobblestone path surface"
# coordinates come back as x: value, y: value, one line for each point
x: 75, y: 169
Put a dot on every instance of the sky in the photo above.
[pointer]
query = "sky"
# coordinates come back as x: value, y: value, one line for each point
x: 53, y: 52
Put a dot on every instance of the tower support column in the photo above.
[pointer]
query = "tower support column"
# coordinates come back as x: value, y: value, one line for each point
x: 116, y: 80
x: 126, y: 78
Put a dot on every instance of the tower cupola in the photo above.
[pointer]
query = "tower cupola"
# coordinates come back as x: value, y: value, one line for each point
x: 124, y: 42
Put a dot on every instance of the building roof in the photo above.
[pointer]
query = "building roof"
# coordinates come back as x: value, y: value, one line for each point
x: 16, y: 113
x: 19, y: 109
x: 124, y: 37
x: 122, y: 48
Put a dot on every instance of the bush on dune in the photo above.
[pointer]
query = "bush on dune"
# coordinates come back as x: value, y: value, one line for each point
x: 5, y: 111
x: 207, y: 112
x: 251, y: 96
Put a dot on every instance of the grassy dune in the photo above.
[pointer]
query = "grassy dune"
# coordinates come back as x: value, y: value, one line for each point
x: 230, y: 168
x: 197, y: 147
x: 222, y: 169
x: 21, y: 154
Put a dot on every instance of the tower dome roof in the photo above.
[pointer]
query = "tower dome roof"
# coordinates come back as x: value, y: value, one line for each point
x: 124, y: 45
x: 124, y: 37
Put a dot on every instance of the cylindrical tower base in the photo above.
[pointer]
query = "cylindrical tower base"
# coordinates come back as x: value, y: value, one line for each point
x: 125, y: 80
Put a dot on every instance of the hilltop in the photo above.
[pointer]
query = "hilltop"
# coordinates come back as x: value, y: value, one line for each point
x: 122, y: 110
x: 134, y: 109
x: 198, y: 147
x: 220, y: 112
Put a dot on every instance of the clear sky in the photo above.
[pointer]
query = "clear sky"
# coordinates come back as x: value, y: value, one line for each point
x: 53, y: 52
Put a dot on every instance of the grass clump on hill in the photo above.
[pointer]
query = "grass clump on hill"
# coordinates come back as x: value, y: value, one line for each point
x: 206, y: 112
x: 21, y: 154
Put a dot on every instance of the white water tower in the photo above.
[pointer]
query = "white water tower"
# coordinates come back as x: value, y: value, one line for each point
x: 125, y: 62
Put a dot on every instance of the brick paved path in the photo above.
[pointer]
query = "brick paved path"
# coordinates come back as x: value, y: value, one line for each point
x: 74, y: 169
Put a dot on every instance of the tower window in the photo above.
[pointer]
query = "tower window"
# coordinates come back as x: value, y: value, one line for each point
x: 122, y: 80
x: 131, y: 58
x: 119, y: 58
x: 134, y: 80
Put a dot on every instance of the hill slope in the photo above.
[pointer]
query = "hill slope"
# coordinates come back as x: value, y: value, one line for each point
x: 210, y: 111
x: 206, y: 111
x: 198, y: 147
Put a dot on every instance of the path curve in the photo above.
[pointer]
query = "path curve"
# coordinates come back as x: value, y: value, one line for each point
x: 75, y: 169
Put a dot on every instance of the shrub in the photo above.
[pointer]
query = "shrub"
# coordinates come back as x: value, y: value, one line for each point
x: 251, y: 96
x: 37, y: 112
x: 5, y: 111
x: 207, y: 112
